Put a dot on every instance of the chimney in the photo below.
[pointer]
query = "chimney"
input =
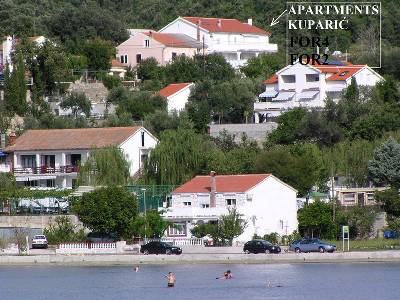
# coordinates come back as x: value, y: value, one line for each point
x: 198, y: 30
x: 12, y: 138
x: 213, y: 202
x: 250, y: 22
x: 219, y: 23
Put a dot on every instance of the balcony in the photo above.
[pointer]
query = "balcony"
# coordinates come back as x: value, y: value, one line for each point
x: 46, y: 170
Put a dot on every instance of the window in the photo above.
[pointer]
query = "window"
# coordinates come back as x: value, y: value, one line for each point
x: 31, y: 183
x: 28, y: 161
x: 138, y: 58
x: 147, y: 43
x: 370, y: 197
x: 205, y: 205
x: 173, y: 55
x: 288, y: 78
x: 231, y: 202
x: 178, y: 229
x: 187, y: 203
x: 142, y: 135
x: 50, y: 183
x: 312, y: 77
x: 124, y: 59
x: 348, y: 197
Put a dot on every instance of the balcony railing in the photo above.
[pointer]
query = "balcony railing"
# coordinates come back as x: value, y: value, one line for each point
x: 46, y: 170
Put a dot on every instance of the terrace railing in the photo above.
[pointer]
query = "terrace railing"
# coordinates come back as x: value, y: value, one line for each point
x: 46, y: 170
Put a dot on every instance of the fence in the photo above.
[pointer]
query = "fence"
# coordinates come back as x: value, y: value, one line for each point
x: 90, y: 248
x: 181, y: 241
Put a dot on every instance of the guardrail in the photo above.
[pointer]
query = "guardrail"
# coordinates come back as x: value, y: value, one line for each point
x: 181, y: 241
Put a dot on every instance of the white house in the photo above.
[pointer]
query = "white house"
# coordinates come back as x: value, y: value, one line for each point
x: 235, y: 40
x: 268, y: 204
x: 308, y: 86
x: 51, y: 158
x: 177, y: 95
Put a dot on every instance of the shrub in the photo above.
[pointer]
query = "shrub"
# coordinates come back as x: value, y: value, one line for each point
x: 63, y: 231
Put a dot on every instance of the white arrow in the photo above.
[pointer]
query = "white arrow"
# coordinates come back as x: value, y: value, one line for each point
x: 275, y: 21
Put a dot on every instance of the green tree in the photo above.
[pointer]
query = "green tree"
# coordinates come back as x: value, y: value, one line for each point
x: 264, y: 65
x: 78, y: 103
x: 148, y: 69
x: 139, y: 104
x: 231, y: 225
x: 315, y: 219
x: 105, y: 167
x: 290, y: 164
x: 107, y: 210
x: 384, y: 167
x: 389, y: 200
x: 177, y: 158
x: 99, y: 54
x: 111, y: 81
x: 288, y: 127
x: 150, y: 225
x: 15, y: 88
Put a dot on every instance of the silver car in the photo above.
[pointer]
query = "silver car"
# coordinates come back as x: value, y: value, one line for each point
x: 311, y: 245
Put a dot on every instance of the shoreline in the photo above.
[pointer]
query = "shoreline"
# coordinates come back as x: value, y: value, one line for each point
x: 135, y: 259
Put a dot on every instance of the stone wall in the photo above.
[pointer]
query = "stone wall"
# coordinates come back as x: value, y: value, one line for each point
x: 256, y: 132
x: 41, y: 221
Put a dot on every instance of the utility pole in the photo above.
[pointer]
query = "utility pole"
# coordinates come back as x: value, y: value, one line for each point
x: 204, y: 59
x: 145, y: 216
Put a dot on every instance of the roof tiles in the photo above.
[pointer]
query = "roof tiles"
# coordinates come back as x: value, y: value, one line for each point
x: 68, y: 139
x: 224, y: 183
x: 173, y: 88
x: 225, y: 25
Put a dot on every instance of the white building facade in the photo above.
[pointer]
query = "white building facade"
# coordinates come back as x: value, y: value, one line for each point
x: 234, y: 40
x: 177, y: 95
x: 51, y: 158
x: 308, y: 86
x: 267, y: 204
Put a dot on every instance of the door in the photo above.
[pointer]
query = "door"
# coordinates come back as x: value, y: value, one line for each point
x: 305, y: 245
x: 361, y: 199
x: 314, y: 245
x: 259, y: 247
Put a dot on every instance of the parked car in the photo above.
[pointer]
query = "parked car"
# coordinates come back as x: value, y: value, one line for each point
x: 96, y: 237
x: 160, y: 248
x: 260, y: 246
x: 39, y: 241
x: 311, y: 245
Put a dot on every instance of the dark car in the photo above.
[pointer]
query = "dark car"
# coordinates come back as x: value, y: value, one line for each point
x: 260, y: 246
x: 96, y: 237
x: 160, y: 248
x: 311, y: 245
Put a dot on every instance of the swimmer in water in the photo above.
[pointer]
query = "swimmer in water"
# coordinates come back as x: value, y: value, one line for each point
x: 227, y: 275
x: 137, y: 269
x: 170, y: 279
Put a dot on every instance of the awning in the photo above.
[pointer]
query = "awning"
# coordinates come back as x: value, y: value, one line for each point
x: 332, y: 89
x: 307, y: 95
x: 283, y: 96
x: 268, y: 94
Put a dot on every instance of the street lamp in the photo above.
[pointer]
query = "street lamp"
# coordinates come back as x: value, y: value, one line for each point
x: 145, y: 216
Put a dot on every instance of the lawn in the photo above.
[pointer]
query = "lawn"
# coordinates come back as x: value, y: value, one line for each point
x: 368, y: 245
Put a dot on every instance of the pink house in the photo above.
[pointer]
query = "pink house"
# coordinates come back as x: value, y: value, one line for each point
x: 164, y: 47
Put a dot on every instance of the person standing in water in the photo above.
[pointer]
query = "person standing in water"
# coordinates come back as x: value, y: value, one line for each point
x: 170, y: 279
x: 137, y: 269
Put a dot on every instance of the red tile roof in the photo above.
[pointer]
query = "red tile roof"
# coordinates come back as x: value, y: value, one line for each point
x: 173, y: 88
x: 117, y: 64
x: 68, y: 139
x: 175, y: 40
x: 340, y: 72
x: 272, y: 79
x: 224, y: 183
x: 225, y: 25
